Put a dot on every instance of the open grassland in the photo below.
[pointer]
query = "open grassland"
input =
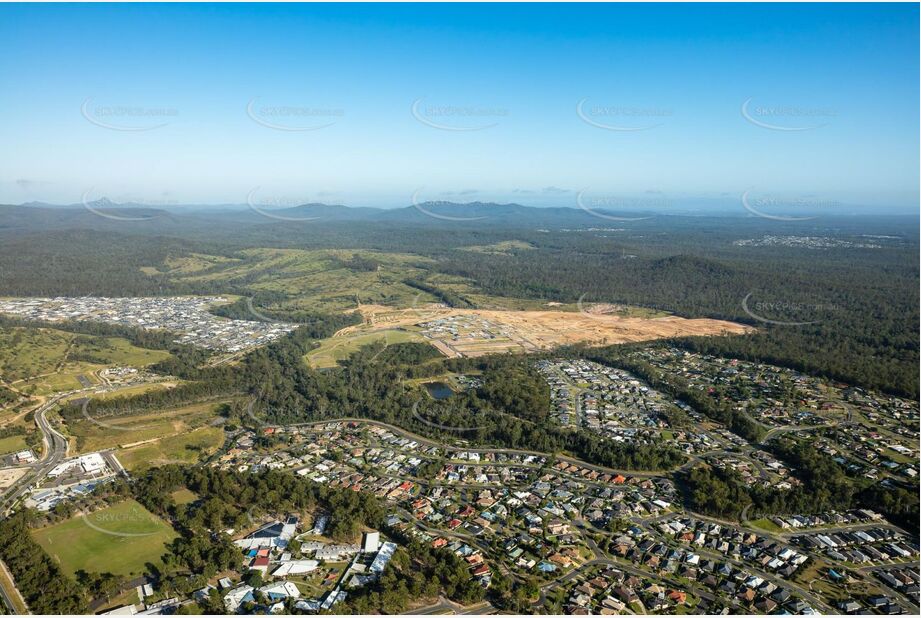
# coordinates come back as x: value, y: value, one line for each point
x: 19, y: 429
x: 190, y: 263
x: 137, y: 389
x: 183, y: 448
x: 119, y: 539
x: 505, y: 247
x: 12, y: 444
x: 766, y: 524
x: 184, y: 496
x: 117, y: 351
x: 66, y: 378
x: 27, y: 352
x: 42, y: 361
x: 128, y: 430
x: 335, y: 349
x: 328, y: 280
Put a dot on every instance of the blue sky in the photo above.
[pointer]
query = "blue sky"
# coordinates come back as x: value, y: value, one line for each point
x: 210, y: 94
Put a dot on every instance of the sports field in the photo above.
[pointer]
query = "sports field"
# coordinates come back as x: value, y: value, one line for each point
x: 119, y: 539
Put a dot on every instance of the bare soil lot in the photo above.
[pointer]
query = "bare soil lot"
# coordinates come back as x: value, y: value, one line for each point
x: 475, y: 332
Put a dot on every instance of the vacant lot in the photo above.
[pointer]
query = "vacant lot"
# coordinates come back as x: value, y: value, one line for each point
x: 8, y: 476
x: 335, y: 349
x: 41, y: 361
x: 12, y: 444
x: 117, y: 351
x: 122, y: 431
x: 119, y: 539
x: 184, y: 448
x: 138, y: 389
x: 27, y: 352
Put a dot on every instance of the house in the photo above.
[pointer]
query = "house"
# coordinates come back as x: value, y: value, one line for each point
x: 295, y: 567
x: 625, y: 594
x: 560, y: 559
x: 308, y: 605
x: 747, y: 596
x: 765, y: 606
x: 271, y: 535
x: 203, y: 594
x: 781, y: 595
x: 260, y: 563
x: 383, y: 557
x: 370, y: 542
x: 237, y: 597
x: 850, y: 606
x: 280, y: 591
x: 677, y: 596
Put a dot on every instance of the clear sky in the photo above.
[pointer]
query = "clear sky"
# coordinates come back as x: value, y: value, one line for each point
x: 639, y: 100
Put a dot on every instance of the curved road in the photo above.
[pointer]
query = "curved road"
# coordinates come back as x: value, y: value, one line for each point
x: 54, y: 451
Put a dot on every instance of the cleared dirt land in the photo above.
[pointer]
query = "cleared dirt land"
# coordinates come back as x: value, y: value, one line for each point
x: 475, y: 332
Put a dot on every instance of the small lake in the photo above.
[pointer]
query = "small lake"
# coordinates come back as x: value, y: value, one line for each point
x: 438, y: 390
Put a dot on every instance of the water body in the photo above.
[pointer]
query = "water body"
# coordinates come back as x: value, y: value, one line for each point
x: 438, y: 390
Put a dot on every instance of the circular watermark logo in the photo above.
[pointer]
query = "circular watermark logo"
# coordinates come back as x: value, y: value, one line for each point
x: 258, y: 421
x: 762, y: 206
x: 786, y: 118
x: 426, y: 209
x: 596, y: 310
x: 126, y: 118
x: 92, y: 419
x: 620, y: 118
x: 440, y: 426
x: 261, y: 317
x: 605, y: 310
x: 596, y: 206
x: 265, y: 207
x: 292, y: 119
x: 427, y: 313
x: 457, y: 118
x: 133, y: 523
x: 107, y: 209
x: 766, y: 311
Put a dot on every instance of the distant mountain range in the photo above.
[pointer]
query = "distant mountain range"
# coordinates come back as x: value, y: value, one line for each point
x: 103, y: 213
x: 421, y: 213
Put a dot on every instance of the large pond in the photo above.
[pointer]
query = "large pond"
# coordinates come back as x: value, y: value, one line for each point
x: 438, y: 390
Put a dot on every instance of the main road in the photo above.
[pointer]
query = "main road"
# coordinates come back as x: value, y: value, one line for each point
x: 55, y: 445
x: 54, y: 451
